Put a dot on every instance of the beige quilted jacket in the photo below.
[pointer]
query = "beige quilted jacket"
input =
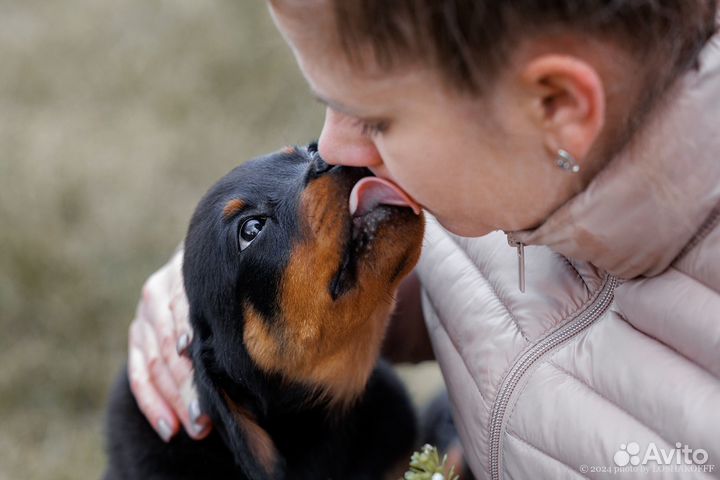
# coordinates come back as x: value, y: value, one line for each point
x: 608, y: 366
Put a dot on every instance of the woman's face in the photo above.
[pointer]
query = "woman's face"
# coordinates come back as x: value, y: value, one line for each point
x: 477, y: 164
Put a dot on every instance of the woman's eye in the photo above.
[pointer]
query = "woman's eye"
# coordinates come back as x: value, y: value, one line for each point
x: 371, y: 129
x: 249, y: 230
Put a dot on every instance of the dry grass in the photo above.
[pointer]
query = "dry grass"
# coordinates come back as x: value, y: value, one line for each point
x: 115, y: 116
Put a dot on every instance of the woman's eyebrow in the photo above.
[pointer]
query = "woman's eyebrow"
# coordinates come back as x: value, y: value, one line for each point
x: 336, y: 105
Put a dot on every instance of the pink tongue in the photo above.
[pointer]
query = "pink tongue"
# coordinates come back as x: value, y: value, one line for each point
x: 370, y: 192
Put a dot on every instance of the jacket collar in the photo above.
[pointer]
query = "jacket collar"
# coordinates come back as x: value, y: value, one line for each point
x: 646, y: 205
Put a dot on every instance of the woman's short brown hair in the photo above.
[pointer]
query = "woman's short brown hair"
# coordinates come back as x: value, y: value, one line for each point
x: 467, y: 40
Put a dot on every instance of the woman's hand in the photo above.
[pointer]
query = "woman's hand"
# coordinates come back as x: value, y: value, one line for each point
x: 159, y: 369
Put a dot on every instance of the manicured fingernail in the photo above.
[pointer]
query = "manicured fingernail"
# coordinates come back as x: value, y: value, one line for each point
x: 199, y: 428
x: 195, y: 412
x: 183, y: 344
x: 163, y: 428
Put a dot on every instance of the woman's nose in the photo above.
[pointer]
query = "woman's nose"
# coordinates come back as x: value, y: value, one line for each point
x: 343, y: 143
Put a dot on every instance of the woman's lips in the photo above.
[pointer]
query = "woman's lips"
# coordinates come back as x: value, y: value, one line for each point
x: 370, y: 192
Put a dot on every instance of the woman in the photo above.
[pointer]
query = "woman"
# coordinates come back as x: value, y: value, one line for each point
x: 588, y: 133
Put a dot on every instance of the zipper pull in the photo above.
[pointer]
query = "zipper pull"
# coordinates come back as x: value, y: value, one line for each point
x: 521, y: 261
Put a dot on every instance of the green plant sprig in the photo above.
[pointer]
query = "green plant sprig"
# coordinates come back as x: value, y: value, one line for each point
x: 427, y: 465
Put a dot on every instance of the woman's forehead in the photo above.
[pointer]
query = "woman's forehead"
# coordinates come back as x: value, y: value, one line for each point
x: 312, y: 34
x: 305, y: 23
x: 361, y: 89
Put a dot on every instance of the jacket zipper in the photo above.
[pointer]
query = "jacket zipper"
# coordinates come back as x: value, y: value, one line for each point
x: 497, y: 419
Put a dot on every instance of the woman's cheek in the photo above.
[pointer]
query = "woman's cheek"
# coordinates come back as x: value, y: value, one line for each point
x: 413, y: 169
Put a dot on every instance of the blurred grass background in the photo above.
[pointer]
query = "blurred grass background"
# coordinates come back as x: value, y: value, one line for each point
x: 114, y: 119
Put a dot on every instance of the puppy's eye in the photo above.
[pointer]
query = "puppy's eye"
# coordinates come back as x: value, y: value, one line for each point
x: 249, y: 230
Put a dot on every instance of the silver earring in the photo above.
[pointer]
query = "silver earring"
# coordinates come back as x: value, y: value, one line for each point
x: 566, y: 161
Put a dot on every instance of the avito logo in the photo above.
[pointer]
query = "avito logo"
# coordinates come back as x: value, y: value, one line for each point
x: 629, y: 454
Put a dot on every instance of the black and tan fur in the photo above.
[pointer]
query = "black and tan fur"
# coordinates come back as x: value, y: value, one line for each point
x: 287, y: 333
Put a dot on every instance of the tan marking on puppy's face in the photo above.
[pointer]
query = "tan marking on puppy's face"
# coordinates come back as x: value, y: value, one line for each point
x: 333, y: 344
x: 233, y: 207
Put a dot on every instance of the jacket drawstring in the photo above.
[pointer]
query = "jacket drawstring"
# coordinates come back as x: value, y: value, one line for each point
x: 521, y: 260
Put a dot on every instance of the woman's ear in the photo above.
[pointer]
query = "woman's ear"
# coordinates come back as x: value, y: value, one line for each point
x: 568, y: 102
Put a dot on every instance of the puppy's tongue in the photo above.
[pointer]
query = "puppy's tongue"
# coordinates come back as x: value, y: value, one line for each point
x: 370, y: 192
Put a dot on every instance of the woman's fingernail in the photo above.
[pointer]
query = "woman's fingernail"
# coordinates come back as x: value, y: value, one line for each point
x: 183, y: 344
x: 163, y: 428
x: 199, y: 428
x: 195, y: 412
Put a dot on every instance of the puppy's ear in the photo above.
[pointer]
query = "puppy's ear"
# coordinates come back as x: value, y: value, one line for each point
x: 254, y: 451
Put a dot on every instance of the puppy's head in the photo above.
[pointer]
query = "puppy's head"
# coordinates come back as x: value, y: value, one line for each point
x: 282, y: 279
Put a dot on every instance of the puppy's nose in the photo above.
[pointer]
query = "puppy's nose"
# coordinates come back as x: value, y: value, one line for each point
x: 321, y: 166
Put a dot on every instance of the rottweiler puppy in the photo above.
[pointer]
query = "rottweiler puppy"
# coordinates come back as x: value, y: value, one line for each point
x: 289, y: 298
